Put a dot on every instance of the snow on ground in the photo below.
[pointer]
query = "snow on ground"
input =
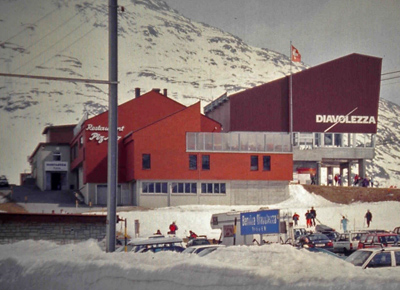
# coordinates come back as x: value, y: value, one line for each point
x: 45, y: 265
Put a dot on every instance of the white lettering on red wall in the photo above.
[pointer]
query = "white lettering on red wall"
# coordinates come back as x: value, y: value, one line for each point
x: 345, y: 119
x: 96, y: 136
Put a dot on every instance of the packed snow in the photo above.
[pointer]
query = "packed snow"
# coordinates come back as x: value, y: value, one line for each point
x: 46, y: 265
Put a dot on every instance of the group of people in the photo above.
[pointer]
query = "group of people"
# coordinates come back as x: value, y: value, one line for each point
x: 344, y: 221
x: 310, y: 217
x: 312, y: 214
x: 172, y: 229
x: 337, y: 179
x: 364, y: 182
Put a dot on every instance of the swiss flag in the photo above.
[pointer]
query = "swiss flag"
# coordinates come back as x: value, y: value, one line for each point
x: 296, y: 57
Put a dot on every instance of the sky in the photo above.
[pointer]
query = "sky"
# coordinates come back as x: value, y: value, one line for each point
x: 322, y: 30
x: 45, y: 265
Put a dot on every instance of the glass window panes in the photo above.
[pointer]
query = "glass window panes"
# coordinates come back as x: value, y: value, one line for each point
x: 216, y: 188
x: 266, y: 163
x: 146, y: 163
x: 205, y: 162
x: 328, y: 139
x: 253, y: 162
x: 192, y: 162
x: 208, y: 141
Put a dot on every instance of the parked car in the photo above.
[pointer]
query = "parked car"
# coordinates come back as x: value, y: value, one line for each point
x: 327, y: 231
x: 347, y: 242
x: 375, y: 257
x: 316, y: 240
x: 202, y: 248
x: 198, y: 241
x: 3, y: 181
x: 154, y: 244
x: 374, y: 240
x: 325, y: 251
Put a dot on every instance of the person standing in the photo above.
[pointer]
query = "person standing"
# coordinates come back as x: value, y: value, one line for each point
x: 368, y: 217
x: 313, y: 178
x: 343, y: 223
x: 313, y: 215
x: 172, y: 228
x: 336, y: 179
x: 295, y: 218
x: 308, y: 219
x: 356, y: 179
x: 330, y: 180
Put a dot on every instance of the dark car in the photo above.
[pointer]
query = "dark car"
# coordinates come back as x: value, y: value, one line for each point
x: 316, y: 240
x: 3, y: 181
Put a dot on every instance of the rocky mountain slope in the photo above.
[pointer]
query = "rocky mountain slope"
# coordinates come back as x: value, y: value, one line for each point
x: 157, y: 48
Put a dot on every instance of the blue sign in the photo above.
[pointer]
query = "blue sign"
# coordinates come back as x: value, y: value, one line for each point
x: 260, y: 222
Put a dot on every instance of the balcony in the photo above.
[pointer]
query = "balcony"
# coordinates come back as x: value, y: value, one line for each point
x: 238, y: 142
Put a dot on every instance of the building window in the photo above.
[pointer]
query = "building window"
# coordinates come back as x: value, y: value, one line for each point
x: 154, y: 187
x: 193, y: 162
x: 205, y: 162
x: 74, y: 152
x: 253, y: 162
x: 184, y: 187
x: 267, y: 163
x: 218, y: 188
x: 328, y: 139
x: 146, y: 162
x: 56, y: 156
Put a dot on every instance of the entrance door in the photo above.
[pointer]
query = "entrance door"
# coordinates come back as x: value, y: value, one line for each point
x: 55, y: 181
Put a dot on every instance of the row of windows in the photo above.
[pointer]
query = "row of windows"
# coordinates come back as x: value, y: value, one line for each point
x: 205, y: 162
x: 183, y: 187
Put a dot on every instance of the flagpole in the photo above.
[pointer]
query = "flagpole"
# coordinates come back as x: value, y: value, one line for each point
x: 291, y: 98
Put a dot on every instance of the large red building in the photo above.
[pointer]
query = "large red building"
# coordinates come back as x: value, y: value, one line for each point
x: 170, y: 154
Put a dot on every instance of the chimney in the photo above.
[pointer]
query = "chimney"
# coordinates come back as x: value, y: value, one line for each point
x: 156, y: 90
x: 165, y: 92
x: 137, y: 92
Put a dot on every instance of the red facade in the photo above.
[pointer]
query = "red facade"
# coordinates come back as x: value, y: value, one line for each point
x: 156, y: 125
x: 338, y: 96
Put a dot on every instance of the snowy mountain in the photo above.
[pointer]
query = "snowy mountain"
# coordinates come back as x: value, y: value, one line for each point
x: 157, y: 48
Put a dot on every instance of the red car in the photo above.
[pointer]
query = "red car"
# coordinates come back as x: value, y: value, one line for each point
x: 375, y: 240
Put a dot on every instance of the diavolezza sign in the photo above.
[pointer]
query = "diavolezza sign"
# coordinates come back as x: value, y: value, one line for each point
x: 97, y: 134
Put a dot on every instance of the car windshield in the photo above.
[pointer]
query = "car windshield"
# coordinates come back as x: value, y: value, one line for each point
x: 358, y: 258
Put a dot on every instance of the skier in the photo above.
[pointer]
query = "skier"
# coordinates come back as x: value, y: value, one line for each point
x: 343, y: 223
x: 368, y: 217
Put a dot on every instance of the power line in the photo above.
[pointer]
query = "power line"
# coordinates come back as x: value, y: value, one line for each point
x: 390, y: 78
x: 18, y: 33
x: 393, y: 72
x: 59, y: 79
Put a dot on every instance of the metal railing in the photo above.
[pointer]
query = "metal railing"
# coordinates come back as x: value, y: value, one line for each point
x: 238, y: 142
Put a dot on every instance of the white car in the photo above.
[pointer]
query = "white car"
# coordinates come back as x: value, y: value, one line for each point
x: 202, y: 250
x: 375, y: 257
x: 347, y: 242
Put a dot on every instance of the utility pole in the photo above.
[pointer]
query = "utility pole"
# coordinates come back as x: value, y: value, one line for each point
x: 112, y: 125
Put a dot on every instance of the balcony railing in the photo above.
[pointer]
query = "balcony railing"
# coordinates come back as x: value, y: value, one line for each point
x: 332, y: 140
x: 238, y: 142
